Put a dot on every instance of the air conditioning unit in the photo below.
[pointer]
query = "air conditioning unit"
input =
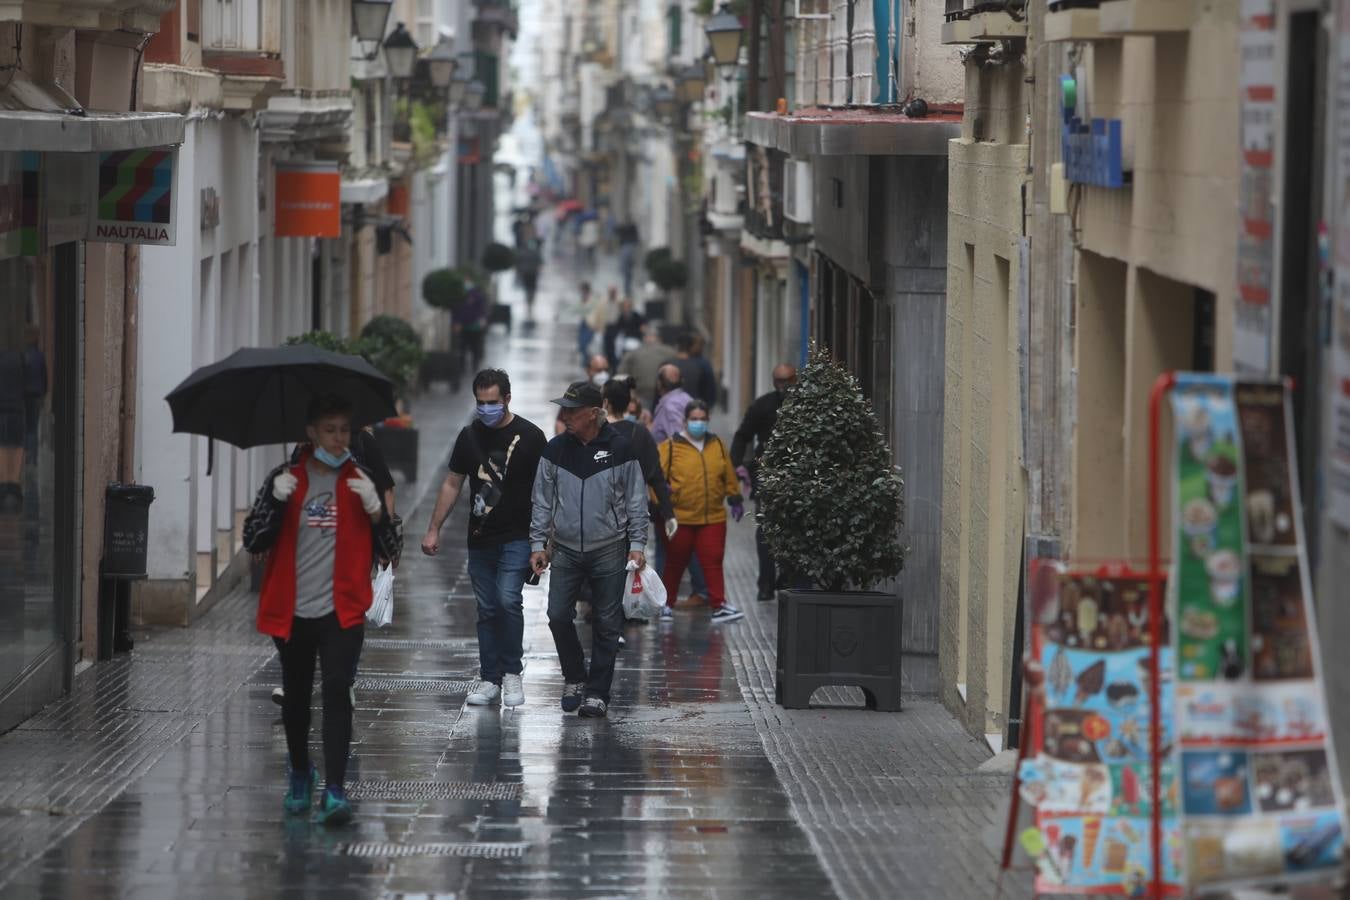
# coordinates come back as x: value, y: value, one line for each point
x: 797, y: 192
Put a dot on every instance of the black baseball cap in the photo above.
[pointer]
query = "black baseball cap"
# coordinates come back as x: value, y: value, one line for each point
x: 580, y: 394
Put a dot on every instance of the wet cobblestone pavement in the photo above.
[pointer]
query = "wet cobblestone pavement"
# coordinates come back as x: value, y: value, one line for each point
x: 162, y: 774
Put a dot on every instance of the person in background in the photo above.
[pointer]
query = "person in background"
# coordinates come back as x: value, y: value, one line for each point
x: 597, y: 373
x: 668, y: 421
x: 627, y: 326
x: 746, y: 448
x: 590, y: 502
x: 588, y: 239
x: 584, y: 333
x: 618, y: 398
x: 699, y: 378
x: 644, y: 362
x: 627, y: 233
x: 499, y: 453
x: 322, y: 525
x: 698, y: 467
x: 469, y: 321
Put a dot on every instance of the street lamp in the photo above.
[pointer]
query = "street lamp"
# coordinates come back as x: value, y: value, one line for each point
x: 724, y: 36
x: 690, y: 84
x: 400, y: 53
x: 459, y: 85
x: 369, y: 18
x: 441, y: 64
x: 663, y: 102
x: 473, y: 96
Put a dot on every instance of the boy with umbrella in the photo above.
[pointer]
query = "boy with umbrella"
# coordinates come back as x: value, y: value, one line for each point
x: 323, y: 524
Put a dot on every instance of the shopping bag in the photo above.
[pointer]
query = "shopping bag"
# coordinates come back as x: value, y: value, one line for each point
x: 645, y: 594
x: 381, y: 611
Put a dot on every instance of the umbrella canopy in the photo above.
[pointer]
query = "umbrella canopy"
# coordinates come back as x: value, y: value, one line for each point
x: 261, y: 395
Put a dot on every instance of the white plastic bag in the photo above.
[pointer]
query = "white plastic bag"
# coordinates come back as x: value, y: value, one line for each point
x: 644, y: 595
x: 381, y: 611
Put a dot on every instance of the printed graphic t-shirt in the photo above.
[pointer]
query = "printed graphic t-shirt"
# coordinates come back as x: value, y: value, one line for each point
x: 315, y: 547
x: 498, y: 516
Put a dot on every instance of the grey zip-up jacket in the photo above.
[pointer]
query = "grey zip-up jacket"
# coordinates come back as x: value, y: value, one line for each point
x: 589, y: 496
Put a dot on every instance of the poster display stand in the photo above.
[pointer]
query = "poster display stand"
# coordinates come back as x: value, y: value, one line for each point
x: 1205, y: 671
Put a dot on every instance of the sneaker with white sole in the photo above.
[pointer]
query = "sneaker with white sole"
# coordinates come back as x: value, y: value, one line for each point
x: 594, y: 708
x: 513, y: 690
x: 279, y: 696
x: 726, y: 613
x: 485, y: 694
x: 667, y: 614
x: 571, y: 696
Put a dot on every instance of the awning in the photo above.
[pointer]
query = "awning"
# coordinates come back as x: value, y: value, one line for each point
x: 857, y: 131
x: 42, y: 117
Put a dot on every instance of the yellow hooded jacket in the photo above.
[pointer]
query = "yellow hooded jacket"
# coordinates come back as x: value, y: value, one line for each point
x: 700, y: 483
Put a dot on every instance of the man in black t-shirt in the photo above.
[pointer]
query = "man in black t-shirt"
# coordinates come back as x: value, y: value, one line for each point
x: 499, y: 454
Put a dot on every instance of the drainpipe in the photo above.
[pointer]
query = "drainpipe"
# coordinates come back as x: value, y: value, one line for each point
x: 881, y: 16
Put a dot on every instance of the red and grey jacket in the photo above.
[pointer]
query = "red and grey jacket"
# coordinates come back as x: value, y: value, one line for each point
x: 273, y: 527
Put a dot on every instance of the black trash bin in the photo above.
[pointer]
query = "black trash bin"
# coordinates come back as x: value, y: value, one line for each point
x: 126, y: 532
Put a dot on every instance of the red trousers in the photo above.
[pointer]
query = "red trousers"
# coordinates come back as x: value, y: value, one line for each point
x: 709, y: 543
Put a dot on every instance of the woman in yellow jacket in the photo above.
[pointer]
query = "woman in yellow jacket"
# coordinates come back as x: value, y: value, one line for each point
x: 701, y: 476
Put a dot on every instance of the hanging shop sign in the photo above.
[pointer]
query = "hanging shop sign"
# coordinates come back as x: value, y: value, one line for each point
x: 134, y: 197
x: 1260, y: 798
x: 1089, y: 771
x: 1338, y: 468
x: 309, y: 200
x: 1256, y: 212
x: 1093, y: 150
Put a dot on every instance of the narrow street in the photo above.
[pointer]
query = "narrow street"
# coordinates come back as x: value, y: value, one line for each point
x: 161, y: 774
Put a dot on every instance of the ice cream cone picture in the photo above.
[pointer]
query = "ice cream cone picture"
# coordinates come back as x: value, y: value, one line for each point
x: 1092, y: 829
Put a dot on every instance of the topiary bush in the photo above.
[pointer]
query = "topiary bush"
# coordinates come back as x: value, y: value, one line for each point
x: 325, y: 340
x: 655, y: 258
x: 670, y: 275
x: 443, y: 289
x: 498, y: 258
x: 392, y: 346
x: 830, y: 500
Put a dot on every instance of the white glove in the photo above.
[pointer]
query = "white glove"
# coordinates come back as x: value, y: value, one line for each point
x: 671, y: 527
x: 364, y: 488
x: 283, y: 486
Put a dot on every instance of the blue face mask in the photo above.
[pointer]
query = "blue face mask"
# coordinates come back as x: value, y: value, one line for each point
x: 697, y: 428
x: 491, y: 414
x: 329, y: 459
x: 630, y: 417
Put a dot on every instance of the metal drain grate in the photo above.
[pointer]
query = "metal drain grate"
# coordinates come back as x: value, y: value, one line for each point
x: 420, y: 644
x: 414, y: 685
x: 434, y: 790
x: 475, y: 851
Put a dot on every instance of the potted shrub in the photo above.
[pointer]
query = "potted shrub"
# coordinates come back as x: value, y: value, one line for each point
x: 832, y: 505
x: 392, y: 346
x: 442, y: 289
x: 668, y: 274
x: 498, y: 258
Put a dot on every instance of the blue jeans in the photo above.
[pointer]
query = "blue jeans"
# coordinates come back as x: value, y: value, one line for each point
x: 498, y: 575
x: 604, y: 570
x: 696, y: 583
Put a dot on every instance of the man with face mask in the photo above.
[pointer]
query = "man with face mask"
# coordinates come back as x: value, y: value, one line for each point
x: 499, y: 454
x: 752, y: 436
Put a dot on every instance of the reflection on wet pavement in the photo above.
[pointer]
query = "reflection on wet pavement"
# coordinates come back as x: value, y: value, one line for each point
x: 672, y: 795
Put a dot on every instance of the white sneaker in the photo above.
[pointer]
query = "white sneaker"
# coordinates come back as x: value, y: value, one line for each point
x: 485, y: 694
x: 513, y: 690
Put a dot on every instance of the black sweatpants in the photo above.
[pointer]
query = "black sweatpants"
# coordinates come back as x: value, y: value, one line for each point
x: 337, y: 649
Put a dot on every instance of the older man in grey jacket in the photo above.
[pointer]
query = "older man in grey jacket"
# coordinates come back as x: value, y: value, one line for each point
x: 590, y: 498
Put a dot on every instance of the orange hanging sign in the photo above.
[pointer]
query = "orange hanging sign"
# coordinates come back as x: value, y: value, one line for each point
x: 309, y: 200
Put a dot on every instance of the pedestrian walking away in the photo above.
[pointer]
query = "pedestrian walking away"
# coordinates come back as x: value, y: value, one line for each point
x: 695, y: 370
x: 499, y: 454
x: 470, y: 327
x: 618, y: 395
x: 322, y: 525
x: 643, y: 362
x: 747, y: 445
x: 701, y: 477
x: 590, y: 503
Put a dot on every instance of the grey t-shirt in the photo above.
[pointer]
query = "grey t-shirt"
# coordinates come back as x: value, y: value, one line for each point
x: 315, y: 547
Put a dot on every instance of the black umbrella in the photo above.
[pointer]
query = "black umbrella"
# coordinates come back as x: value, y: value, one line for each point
x: 261, y: 395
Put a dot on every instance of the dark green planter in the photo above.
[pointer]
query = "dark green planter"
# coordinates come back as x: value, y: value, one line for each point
x: 843, y: 639
x: 400, y: 447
